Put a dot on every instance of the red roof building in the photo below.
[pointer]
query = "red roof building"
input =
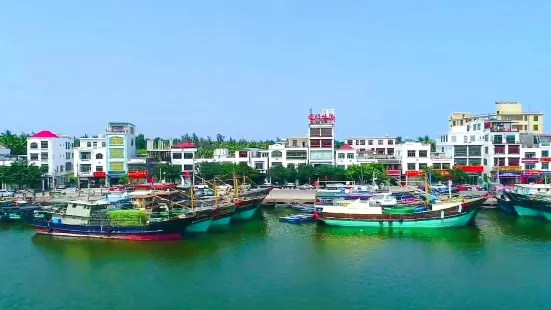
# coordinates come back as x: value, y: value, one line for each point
x: 346, y: 147
x: 45, y: 134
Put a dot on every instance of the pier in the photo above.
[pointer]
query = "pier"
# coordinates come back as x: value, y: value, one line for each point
x: 290, y: 197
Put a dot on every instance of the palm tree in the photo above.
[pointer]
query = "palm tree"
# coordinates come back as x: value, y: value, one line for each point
x: 428, y: 140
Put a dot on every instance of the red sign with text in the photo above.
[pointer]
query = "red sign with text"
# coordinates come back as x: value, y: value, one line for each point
x: 137, y: 174
x: 393, y: 172
x: 321, y: 118
x: 414, y: 173
x: 99, y: 174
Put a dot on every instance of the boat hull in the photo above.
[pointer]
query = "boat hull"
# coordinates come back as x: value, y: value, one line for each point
x: 200, y: 226
x: 505, y: 205
x: 245, y: 214
x: 79, y: 231
x: 460, y: 215
x: 223, y: 221
x: 529, y: 206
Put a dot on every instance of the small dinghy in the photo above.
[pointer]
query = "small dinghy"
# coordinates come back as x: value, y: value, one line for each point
x: 297, y: 218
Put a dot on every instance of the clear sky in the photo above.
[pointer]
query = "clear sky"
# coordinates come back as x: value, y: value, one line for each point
x: 254, y: 68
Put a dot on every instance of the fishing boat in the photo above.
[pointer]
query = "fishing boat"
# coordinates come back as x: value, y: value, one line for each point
x: 504, y: 203
x: 247, y: 202
x: 18, y: 211
x: 531, y: 200
x: 86, y: 219
x: 368, y: 214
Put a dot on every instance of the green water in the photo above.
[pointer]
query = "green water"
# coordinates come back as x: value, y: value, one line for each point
x: 502, y: 263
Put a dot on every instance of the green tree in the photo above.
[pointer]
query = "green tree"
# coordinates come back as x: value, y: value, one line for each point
x: 22, y: 174
x: 169, y: 173
x: 305, y: 173
x: 16, y: 143
x: 123, y: 180
x: 365, y: 173
x: 278, y: 174
x: 291, y: 174
x: 428, y: 140
x: 226, y: 171
x: 458, y: 176
x: 435, y: 175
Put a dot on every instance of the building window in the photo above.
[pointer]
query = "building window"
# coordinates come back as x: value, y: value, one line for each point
x: 446, y: 166
x: 411, y: 166
x: 499, y: 149
x: 475, y: 161
x: 529, y: 167
x: 116, y: 167
x: 45, y: 167
x: 390, y: 151
x: 116, y: 141
x: 68, y: 166
x: 103, y: 144
x: 94, y: 144
x: 422, y: 166
x: 295, y: 143
x: 259, y: 166
x: 485, y: 150
x: 99, y: 156
x: 362, y: 142
x: 350, y: 155
x: 390, y: 142
x: 314, y: 144
x: 513, y: 149
x: 176, y: 155
x: 349, y: 142
x: 116, y: 153
x: 321, y: 155
x: 99, y: 168
x: 474, y: 151
x: 460, y: 161
x: 43, y: 156
x: 513, y: 161
x: 242, y: 154
x: 536, y: 127
x: 545, y: 166
x: 472, y: 139
x: 530, y: 155
x: 188, y: 155
x: 340, y: 155
x: 277, y: 153
x: 85, y: 168
x: 296, y: 154
x: 454, y: 139
x: 188, y: 167
x: 326, y: 143
x: 460, y: 150
x: 465, y: 139
x: 369, y: 142
x: 34, y: 145
x: 485, y: 162
x: 544, y: 153
x: 44, y: 144
x: 535, y: 118
x: 315, y: 132
x: 326, y: 132
x: 422, y: 154
x: 380, y: 142
x: 88, y: 144
x: 498, y: 139
x: 85, y: 156
x: 34, y: 156
x: 411, y: 153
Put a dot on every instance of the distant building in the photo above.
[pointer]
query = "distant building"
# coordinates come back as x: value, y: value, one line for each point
x: 183, y: 155
x: 53, y: 152
x: 4, y: 151
x: 121, y: 146
x: 321, y: 137
x: 90, y: 161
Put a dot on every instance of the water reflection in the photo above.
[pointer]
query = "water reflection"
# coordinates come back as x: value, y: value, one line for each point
x: 192, y: 248
x: 515, y: 228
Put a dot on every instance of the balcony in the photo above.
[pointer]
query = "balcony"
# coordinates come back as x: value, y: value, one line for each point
x: 497, y: 141
x: 501, y: 127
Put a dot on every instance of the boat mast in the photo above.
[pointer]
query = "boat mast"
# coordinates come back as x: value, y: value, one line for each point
x: 427, y: 196
x: 191, y: 194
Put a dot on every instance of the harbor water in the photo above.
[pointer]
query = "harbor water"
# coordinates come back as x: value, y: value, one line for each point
x: 501, y: 263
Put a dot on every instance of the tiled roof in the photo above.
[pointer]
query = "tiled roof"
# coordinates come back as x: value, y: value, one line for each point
x: 45, y: 134
x: 346, y: 147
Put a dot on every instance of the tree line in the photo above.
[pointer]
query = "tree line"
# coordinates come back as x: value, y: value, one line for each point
x: 22, y: 174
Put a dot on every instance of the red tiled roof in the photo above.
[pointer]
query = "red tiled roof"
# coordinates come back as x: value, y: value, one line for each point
x: 184, y: 145
x: 346, y: 147
x: 45, y: 134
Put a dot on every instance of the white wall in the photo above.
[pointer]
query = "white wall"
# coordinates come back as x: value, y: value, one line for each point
x: 417, y: 160
x: 96, y: 149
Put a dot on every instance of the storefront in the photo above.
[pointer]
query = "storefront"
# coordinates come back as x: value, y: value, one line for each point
x: 137, y: 177
x: 393, y: 174
x: 474, y: 173
x: 531, y: 176
x: 413, y: 177
x: 507, y: 175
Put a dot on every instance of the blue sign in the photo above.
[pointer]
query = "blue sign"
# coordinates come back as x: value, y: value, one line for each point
x: 509, y: 174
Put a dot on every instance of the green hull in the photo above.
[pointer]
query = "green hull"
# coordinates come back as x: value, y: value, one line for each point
x: 245, y: 215
x: 522, y: 211
x: 455, y: 221
x: 547, y: 216
x: 221, y: 221
x: 408, y: 210
x: 199, y: 227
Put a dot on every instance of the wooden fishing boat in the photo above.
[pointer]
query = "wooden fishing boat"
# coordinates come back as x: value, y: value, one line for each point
x: 530, y: 205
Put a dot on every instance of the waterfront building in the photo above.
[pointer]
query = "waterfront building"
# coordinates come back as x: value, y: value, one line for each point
x: 525, y: 122
x: 53, y: 152
x: 90, y: 161
x: 183, y: 155
x: 120, y: 138
x: 4, y: 151
x: 413, y: 156
x: 159, y: 149
x: 321, y: 138
x: 290, y: 152
x: 378, y: 145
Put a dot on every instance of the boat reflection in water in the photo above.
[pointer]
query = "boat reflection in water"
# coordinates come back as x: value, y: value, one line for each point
x: 499, y: 224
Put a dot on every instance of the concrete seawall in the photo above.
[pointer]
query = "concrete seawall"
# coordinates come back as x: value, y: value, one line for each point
x: 290, y: 196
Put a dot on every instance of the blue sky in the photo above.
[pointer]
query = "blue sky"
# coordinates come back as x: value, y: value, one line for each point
x: 253, y: 69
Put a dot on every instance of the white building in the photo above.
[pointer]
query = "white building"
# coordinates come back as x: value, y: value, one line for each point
x: 183, y: 155
x: 53, y: 152
x: 378, y: 145
x: 321, y: 137
x: 413, y: 156
x: 120, y: 138
x: 290, y: 152
x: 4, y: 151
x: 90, y: 160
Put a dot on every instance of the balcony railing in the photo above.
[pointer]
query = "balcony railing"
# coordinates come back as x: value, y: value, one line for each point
x: 495, y: 141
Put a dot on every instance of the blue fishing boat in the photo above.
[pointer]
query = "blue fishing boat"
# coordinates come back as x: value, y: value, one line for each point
x: 505, y: 204
x: 202, y: 219
x: 19, y: 212
x: 297, y: 218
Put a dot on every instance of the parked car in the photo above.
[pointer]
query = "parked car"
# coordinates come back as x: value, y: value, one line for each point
x: 5, y: 193
x: 466, y: 187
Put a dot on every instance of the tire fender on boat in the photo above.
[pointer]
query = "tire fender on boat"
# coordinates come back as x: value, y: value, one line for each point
x: 442, y: 214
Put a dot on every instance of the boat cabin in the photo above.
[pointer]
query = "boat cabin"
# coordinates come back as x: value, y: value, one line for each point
x: 80, y: 212
x: 385, y: 199
x: 532, y: 189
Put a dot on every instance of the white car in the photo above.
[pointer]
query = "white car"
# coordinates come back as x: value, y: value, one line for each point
x: 5, y: 193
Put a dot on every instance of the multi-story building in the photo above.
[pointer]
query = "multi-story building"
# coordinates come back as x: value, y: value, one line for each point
x: 90, y: 161
x: 321, y: 138
x: 378, y: 146
x: 413, y: 156
x: 183, y: 155
x: 525, y: 122
x: 4, y: 151
x: 121, y: 139
x: 282, y: 154
x: 53, y: 152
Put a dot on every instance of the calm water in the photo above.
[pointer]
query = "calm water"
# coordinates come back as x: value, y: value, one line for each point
x: 502, y: 263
